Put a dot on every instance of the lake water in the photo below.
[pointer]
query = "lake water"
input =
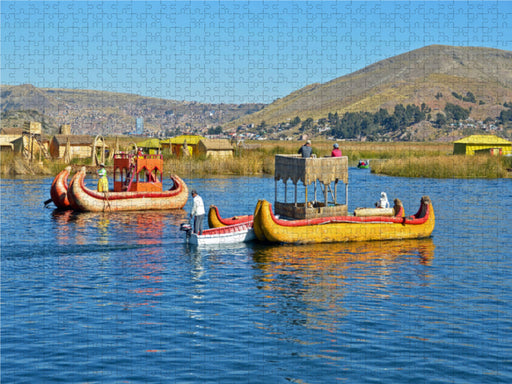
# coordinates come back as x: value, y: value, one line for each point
x: 120, y: 298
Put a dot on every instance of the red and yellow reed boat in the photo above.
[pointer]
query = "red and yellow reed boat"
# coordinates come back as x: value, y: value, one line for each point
x: 137, y: 186
x: 59, y: 189
x: 216, y: 221
x: 269, y: 228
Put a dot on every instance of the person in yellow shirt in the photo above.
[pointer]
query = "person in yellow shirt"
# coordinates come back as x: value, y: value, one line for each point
x: 103, y: 180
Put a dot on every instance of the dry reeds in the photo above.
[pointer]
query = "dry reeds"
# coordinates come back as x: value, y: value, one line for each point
x: 443, y: 167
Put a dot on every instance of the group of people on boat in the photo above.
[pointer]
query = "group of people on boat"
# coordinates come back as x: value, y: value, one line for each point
x: 307, y: 151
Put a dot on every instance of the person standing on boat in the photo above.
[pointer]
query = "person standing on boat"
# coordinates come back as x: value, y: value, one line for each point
x: 102, y: 181
x: 383, y: 201
x: 336, y: 151
x: 197, y: 213
x: 306, y: 149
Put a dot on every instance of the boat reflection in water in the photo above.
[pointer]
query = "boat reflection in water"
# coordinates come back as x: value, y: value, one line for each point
x: 308, y: 283
x: 133, y: 227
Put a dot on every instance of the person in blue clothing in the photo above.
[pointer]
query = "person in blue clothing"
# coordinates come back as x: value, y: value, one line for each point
x: 306, y: 149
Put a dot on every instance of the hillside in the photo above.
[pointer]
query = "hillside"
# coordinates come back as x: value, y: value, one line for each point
x: 434, y: 76
x: 414, y: 77
x: 108, y: 113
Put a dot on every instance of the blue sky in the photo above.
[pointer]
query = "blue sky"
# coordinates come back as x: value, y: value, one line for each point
x: 227, y: 51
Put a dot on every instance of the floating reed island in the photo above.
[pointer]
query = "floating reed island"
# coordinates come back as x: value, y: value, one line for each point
x: 403, y: 159
x: 432, y: 160
x: 447, y: 167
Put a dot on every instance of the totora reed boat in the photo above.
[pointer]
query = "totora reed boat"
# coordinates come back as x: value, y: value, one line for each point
x: 59, y: 189
x: 343, y: 228
x: 137, y: 186
x: 216, y: 221
x: 314, y: 221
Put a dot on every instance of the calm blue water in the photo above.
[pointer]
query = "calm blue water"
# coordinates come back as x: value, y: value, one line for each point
x: 119, y: 298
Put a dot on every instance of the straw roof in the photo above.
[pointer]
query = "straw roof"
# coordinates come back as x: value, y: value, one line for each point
x: 74, y: 139
x: 217, y: 145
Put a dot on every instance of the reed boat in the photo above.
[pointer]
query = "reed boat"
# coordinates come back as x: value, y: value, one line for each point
x: 216, y: 221
x: 343, y: 228
x: 230, y: 234
x: 59, y: 189
x: 312, y: 219
x: 137, y: 186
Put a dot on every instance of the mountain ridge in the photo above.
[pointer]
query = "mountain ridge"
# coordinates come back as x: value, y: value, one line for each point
x: 433, y: 75
x: 412, y: 77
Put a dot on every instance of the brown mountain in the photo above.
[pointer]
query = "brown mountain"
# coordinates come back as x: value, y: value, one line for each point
x: 99, y: 112
x: 414, y: 77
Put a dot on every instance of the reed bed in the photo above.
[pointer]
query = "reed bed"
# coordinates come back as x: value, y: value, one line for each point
x: 249, y: 163
x: 432, y: 160
x: 444, y: 167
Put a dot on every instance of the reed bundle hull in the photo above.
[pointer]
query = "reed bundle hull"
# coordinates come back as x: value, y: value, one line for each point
x: 88, y: 200
x: 342, y: 228
x: 59, y: 189
x: 216, y: 221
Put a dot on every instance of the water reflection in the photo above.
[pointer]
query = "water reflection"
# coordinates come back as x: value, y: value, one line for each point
x: 307, y: 284
x: 137, y: 227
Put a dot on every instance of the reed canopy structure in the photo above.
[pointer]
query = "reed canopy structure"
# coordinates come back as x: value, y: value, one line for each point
x: 319, y: 177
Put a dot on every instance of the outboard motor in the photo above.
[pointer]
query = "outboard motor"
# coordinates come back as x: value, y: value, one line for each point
x: 187, y: 228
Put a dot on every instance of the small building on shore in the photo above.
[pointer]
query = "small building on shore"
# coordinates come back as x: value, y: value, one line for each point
x: 177, y: 145
x: 476, y: 144
x: 7, y: 138
x: 78, y: 146
x: 215, y: 148
x: 150, y: 146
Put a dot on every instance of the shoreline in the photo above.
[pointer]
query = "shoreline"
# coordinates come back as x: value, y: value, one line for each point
x: 403, y: 159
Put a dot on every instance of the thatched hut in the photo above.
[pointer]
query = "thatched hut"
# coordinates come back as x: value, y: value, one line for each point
x: 78, y: 146
x: 218, y: 148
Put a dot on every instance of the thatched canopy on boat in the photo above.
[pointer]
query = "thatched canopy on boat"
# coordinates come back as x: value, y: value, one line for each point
x: 308, y: 170
x: 326, y: 171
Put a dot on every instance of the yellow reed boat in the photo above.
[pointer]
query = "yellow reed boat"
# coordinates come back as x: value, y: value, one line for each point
x: 314, y: 221
x: 268, y: 227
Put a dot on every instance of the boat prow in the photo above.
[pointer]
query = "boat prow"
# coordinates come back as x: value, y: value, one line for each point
x: 88, y: 200
x: 216, y: 221
x: 343, y: 228
x: 59, y: 189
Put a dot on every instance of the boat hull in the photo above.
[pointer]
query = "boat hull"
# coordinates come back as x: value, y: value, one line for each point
x: 232, y: 234
x: 87, y: 200
x: 343, y: 228
x: 216, y: 221
x: 59, y: 189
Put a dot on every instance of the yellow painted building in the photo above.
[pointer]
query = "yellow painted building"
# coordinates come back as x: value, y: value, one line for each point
x: 176, y: 144
x: 475, y: 144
